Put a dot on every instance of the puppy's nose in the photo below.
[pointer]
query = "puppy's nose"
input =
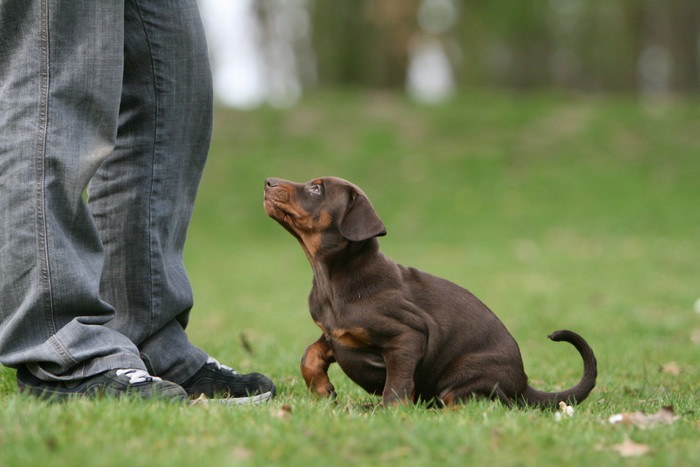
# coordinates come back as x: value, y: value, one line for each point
x: 271, y: 182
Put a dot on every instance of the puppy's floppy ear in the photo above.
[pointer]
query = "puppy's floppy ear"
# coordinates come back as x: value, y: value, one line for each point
x: 361, y: 222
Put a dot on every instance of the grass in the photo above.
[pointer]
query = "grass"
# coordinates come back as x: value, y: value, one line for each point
x: 557, y: 211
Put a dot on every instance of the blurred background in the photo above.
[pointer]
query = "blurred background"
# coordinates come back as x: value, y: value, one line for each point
x: 273, y: 51
x: 542, y: 153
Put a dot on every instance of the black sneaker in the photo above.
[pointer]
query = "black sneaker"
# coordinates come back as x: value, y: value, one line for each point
x: 226, y: 385
x: 112, y: 383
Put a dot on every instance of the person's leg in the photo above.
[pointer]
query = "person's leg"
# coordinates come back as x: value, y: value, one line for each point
x: 60, y: 88
x: 143, y: 194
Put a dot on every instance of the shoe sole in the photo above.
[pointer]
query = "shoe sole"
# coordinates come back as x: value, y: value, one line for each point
x: 29, y: 385
x: 101, y: 393
x: 258, y: 399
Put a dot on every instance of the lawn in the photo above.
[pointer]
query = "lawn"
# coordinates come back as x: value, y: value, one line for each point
x: 558, y: 211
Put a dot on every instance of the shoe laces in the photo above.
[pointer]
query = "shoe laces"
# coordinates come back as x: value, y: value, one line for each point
x: 211, y: 360
x: 137, y: 376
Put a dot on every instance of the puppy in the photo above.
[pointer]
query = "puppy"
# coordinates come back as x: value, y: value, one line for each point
x: 397, y: 331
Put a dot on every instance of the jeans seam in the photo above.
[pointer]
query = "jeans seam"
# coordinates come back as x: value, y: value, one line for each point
x: 153, y: 170
x: 66, y: 357
x: 40, y: 171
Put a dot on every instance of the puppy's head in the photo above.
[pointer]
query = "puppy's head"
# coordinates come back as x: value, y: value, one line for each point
x: 326, y: 208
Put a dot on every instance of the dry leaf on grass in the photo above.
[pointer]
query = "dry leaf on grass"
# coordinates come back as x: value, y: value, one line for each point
x: 564, y: 411
x: 201, y: 400
x: 241, y: 453
x: 664, y: 416
x: 284, y: 412
x: 695, y: 336
x: 629, y: 448
x: 496, y: 438
x: 671, y: 368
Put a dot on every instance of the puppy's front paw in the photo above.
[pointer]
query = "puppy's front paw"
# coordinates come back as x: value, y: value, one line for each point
x: 326, y: 390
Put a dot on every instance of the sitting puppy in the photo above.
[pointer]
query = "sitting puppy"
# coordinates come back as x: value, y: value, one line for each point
x: 397, y: 331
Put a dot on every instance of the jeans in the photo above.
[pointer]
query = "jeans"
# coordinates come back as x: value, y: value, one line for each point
x: 105, y: 124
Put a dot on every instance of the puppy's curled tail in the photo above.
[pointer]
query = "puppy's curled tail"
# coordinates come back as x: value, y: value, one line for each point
x: 575, y: 394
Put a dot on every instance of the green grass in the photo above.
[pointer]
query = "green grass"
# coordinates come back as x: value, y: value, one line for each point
x: 557, y: 211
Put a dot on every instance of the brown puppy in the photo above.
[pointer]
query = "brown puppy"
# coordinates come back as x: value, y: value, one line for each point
x: 397, y: 331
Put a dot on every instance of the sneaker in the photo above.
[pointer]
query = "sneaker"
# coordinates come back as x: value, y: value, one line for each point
x: 217, y: 381
x: 112, y: 383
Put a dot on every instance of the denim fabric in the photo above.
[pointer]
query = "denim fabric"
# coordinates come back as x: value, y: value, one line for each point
x: 115, y: 97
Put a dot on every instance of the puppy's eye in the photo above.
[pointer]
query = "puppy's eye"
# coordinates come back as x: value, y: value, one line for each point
x: 315, y: 189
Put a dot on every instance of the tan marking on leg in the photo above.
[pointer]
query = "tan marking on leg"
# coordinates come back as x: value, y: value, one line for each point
x: 354, y: 338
